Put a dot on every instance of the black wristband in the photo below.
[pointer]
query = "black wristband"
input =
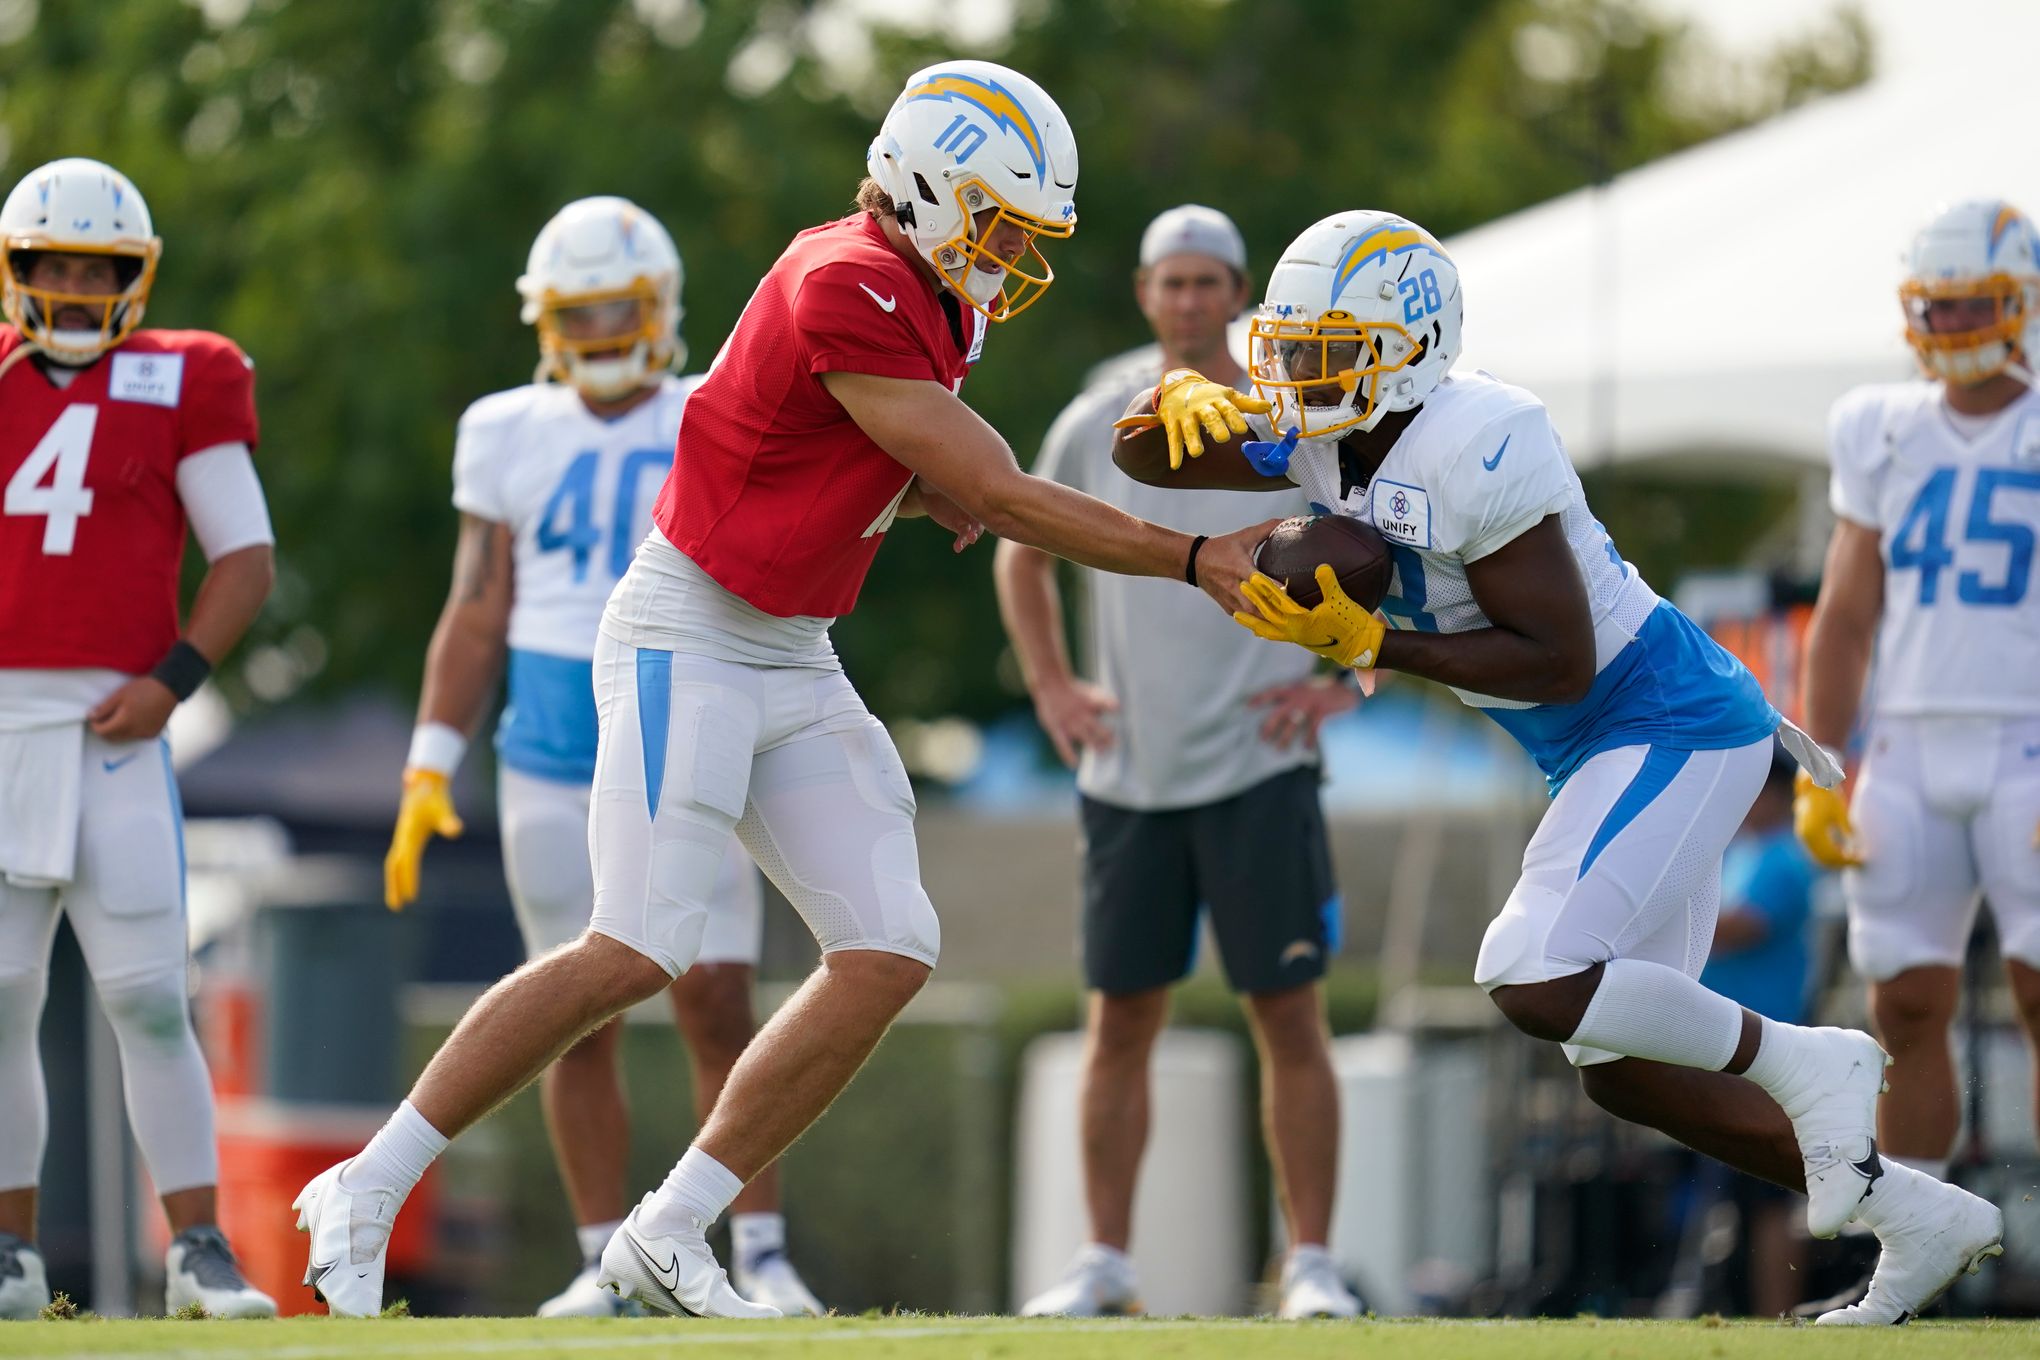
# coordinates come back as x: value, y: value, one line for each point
x: 182, y: 670
x: 1190, y: 567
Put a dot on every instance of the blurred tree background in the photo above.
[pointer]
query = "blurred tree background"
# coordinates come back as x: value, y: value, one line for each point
x: 349, y: 190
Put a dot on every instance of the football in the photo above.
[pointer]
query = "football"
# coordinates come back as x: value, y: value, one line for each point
x: 1353, y: 549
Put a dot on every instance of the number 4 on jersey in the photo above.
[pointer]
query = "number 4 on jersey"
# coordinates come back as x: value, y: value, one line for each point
x: 60, y: 457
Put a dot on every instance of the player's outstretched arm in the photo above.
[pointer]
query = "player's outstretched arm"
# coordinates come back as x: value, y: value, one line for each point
x: 1143, y: 453
x: 462, y: 665
x: 1540, y: 647
x: 929, y: 430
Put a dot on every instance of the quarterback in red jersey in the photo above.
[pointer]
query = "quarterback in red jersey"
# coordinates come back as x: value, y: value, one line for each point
x: 112, y: 441
x: 831, y: 411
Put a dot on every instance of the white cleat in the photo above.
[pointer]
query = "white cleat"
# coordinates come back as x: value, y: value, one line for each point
x: 770, y: 1279
x: 1311, y: 1287
x: 24, y: 1285
x: 676, y: 1275
x: 585, y: 1298
x: 1926, y: 1248
x: 1835, y: 1121
x: 200, y: 1268
x: 350, y: 1239
x: 1098, y: 1283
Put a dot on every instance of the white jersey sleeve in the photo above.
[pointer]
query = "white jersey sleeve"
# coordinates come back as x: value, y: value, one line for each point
x: 482, y: 449
x: 1859, y: 449
x: 1510, y: 475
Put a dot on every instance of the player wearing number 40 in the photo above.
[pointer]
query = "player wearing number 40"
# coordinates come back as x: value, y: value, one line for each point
x: 112, y: 440
x: 1936, y: 493
x: 554, y: 481
x: 1654, y: 740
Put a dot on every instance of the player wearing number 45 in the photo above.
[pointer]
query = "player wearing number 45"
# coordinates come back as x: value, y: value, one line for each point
x: 830, y: 413
x: 554, y: 482
x: 1936, y: 492
x: 112, y: 441
x: 1654, y: 740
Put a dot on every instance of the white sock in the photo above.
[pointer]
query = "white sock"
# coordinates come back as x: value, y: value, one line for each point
x: 594, y: 1237
x: 1786, y: 1066
x: 1937, y: 1167
x: 698, y: 1188
x: 397, y: 1157
x: 1646, y: 1010
x: 753, y: 1235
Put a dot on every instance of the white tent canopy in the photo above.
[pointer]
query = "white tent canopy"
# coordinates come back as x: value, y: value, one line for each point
x: 1715, y: 303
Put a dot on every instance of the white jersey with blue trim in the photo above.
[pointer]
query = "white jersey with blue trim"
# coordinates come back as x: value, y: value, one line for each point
x: 1955, y: 502
x: 576, y: 492
x: 1478, y: 466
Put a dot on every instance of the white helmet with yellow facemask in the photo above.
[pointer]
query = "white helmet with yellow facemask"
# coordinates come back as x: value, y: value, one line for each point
x: 1972, y: 293
x: 76, y: 206
x: 603, y: 288
x: 965, y: 138
x: 1363, y: 316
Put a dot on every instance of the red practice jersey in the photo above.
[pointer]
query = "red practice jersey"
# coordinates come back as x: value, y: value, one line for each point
x: 775, y: 492
x: 91, y: 529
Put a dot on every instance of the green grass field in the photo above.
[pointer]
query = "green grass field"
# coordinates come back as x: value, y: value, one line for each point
x: 971, y: 1338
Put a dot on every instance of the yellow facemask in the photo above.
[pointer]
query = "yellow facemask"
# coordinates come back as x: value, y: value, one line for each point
x: 1331, y: 356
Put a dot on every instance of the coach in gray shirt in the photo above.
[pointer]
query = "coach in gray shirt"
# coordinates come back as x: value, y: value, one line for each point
x: 1196, y: 752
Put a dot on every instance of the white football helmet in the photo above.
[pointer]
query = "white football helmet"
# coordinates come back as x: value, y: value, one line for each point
x: 84, y: 207
x: 1363, y: 317
x: 603, y: 277
x: 1972, y: 292
x: 965, y: 136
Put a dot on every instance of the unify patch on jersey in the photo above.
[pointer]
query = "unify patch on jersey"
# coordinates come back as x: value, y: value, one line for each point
x: 1402, y: 513
x: 153, y: 378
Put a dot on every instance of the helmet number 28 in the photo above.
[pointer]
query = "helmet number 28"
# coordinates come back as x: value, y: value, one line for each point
x: 1420, y: 297
x: 60, y: 457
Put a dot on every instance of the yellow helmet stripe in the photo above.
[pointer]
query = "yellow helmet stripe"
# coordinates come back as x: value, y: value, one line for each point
x: 994, y: 100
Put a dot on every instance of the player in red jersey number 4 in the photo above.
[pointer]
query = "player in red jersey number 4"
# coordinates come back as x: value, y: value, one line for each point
x: 112, y: 440
x: 831, y: 411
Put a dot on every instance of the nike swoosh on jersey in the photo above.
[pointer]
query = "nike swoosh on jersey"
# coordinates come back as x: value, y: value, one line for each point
x: 885, y: 303
x: 111, y: 765
x: 1489, y: 463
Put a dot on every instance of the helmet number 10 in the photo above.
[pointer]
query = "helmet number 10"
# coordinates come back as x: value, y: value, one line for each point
x: 1420, y: 297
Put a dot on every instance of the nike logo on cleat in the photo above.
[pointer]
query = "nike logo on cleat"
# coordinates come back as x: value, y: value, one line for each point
x: 888, y: 303
x: 668, y: 1274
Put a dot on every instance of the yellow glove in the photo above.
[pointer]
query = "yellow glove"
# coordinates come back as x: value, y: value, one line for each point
x: 427, y: 811
x: 1820, y: 818
x: 1186, y: 400
x: 1337, y: 629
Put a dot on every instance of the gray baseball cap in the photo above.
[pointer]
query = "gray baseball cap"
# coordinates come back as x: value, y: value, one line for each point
x: 1193, y: 229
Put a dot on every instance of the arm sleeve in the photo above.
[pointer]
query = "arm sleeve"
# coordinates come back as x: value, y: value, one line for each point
x: 842, y: 325
x: 1510, y: 476
x: 218, y: 403
x: 222, y: 497
x: 1854, y: 430
x: 477, y: 472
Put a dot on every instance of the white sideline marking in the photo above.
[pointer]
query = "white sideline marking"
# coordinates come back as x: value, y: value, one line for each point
x: 677, y: 1335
